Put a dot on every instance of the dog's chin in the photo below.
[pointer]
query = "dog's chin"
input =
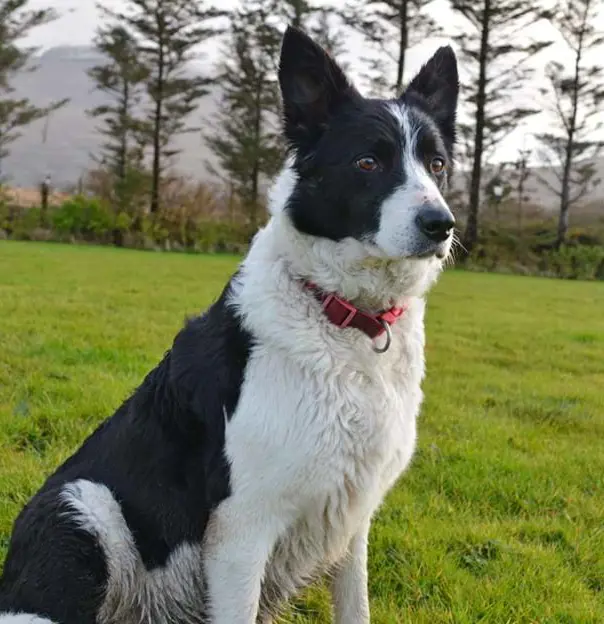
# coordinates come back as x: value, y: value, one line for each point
x: 439, y: 253
x: 432, y: 251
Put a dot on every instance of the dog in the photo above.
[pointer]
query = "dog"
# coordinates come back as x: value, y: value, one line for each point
x: 251, y: 460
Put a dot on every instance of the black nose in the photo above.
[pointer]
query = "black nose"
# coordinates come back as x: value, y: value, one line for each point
x: 435, y: 223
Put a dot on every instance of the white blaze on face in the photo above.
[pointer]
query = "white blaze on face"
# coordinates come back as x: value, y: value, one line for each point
x: 398, y: 234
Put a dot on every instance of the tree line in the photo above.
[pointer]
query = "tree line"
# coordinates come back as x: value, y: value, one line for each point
x: 152, y: 90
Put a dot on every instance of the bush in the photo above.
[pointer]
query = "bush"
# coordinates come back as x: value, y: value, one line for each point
x: 85, y: 217
x: 223, y: 236
x: 584, y: 262
x: 20, y: 223
x: 209, y: 219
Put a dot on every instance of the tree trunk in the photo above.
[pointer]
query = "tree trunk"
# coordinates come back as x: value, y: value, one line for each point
x: 256, y: 167
x: 570, y: 144
x: 565, y: 191
x: 123, y: 155
x: 520, y: 200
x: 471, y: 233
x: 119, y: 187
x: 44, y: 192
x: 297, y: 23
x: 562, y: 222
x: 157, y: 125
x: 403, y: 43
x: 118, y: 237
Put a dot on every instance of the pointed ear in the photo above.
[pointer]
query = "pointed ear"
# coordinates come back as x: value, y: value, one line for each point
x: 437, y: 84
x: 313, y: 87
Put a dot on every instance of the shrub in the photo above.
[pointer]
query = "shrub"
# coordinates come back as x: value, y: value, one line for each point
x: 25, y: 221
x: 500, y: 250
x: 82, y: 216
x: 574, y: 262
x: 21, y: 223
x: 223, y: 236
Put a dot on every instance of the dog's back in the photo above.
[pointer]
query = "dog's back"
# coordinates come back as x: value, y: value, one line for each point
x: 116, y: 531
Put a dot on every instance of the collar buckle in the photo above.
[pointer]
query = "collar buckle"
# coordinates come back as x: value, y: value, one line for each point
x: 333, y: 305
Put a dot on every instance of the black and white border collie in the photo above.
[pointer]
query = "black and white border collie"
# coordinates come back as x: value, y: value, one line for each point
x: 252, y: 459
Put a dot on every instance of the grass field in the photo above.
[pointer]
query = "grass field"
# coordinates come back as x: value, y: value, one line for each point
x: 501, y: 516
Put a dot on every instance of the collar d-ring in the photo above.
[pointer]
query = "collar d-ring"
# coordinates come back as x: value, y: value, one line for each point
x: 388, y: 331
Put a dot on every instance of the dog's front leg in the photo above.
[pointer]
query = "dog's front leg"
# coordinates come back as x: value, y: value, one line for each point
x: 239, y: 540
x: 349, y: 583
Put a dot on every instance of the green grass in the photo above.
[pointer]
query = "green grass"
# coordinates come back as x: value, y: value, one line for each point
x: 501, y: 515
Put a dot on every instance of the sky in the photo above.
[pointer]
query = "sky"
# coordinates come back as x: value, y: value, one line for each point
x: 79, y: 20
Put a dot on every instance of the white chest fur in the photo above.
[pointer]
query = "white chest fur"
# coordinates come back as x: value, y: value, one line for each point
x: 323, y: 427
x: 321, y: 450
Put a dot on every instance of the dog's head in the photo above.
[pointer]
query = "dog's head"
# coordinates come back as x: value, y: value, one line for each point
x: 369, y: 170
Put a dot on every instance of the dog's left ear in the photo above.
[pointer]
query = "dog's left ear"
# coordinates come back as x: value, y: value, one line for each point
x: 437, y: 84
x: 313, y: 88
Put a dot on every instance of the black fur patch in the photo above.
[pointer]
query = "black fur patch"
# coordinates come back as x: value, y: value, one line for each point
x: 161, y: 455
x: 333, y: 198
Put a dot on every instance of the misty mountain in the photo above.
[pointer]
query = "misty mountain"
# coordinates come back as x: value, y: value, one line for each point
x: 62, y: 145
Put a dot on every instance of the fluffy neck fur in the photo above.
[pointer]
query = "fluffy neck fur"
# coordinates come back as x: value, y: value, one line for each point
x: 279, y: 312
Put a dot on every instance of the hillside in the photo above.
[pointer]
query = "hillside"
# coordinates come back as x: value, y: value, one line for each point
x: 71, y: 136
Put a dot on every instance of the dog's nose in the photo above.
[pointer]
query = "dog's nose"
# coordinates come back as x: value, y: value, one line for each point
x: 435, y: 223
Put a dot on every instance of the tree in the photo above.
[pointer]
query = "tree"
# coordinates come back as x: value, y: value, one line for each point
x: 327, y: 34
x: 497, y: 44
x: 247, y: 142
x: 120, y: 78
x: 578, y: 95
x: 16, y: 21
x: 294, y: 12
x: 315, y: 19
x: 167, y: 33
x: 405, y: 23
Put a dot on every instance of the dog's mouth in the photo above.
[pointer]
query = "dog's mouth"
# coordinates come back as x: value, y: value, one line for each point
x: 421, y: 250
x: 429, y: 254
x: 433, y: 250
x: 441, y: 254
x: 377, y: 262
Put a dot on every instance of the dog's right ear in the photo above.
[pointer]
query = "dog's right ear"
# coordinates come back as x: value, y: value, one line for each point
x: 437, y: 83
x: 313, y: 86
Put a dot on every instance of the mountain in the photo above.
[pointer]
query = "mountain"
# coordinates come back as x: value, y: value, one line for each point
x: 62, y: 146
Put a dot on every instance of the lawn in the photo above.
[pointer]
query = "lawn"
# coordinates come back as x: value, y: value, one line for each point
x: 501, y: 516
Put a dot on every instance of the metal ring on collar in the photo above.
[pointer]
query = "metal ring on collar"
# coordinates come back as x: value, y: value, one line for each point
x: 388, y: 331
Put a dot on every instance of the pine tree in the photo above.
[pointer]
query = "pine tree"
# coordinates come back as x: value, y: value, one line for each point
x: 315, y: 19
x: 167, y: 33
x: 247, y: 142
x: 578, y: 99
x: 496, y: 43
x: 328, y: 34
x: 120, y: 78
x: 393, y: 26
x: 16, y: 21
x: 294, y: 12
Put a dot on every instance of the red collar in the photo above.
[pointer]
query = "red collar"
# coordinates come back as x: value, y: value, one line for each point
x: 342, y: 313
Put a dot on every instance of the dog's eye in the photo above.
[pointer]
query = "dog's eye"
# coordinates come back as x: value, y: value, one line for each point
x: 367, y: 163
x: 437, y: 165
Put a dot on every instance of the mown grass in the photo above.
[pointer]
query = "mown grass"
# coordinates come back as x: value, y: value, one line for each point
x: 500, y: 518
